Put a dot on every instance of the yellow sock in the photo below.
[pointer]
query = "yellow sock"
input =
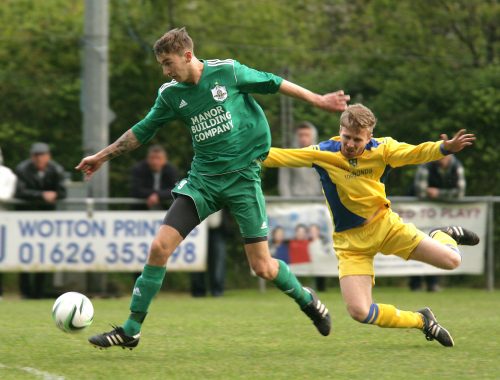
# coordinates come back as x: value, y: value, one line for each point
x: 445, y: 239
x: 388, y: 316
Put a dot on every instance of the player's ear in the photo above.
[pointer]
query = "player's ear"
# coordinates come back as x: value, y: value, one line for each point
x: 188, y: 56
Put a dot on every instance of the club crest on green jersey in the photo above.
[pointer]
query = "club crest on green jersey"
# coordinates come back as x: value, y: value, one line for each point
x: 353, y: 162
x: 219, y: 92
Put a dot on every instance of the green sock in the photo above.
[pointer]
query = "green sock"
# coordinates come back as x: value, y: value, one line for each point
x: 146, y: 287
x: 290, y: 285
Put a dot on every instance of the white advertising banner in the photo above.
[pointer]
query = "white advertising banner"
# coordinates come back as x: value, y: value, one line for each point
x: 301, y: 235
x: 109, y: 241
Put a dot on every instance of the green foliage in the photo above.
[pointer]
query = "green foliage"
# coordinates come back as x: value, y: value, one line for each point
x: 424, y: 67
x: 39, y: 51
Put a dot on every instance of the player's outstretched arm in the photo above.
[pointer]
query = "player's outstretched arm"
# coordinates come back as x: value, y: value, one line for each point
x: 458, y: 142
x: 90, y: 164
x: 333, y: 101
x: 290, y: 158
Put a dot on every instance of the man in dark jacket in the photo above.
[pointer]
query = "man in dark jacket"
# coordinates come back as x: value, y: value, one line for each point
x: 153, y: 178
x: 443, y: 179
x: 40, y: 182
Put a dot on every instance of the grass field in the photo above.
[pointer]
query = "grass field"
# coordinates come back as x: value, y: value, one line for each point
x: 247, y: 335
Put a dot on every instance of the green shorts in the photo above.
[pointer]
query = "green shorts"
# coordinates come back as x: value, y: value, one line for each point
x: 240, y: 192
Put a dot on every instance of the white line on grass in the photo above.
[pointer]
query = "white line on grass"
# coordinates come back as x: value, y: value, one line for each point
x: 45, y: 375
x: 36, y: 372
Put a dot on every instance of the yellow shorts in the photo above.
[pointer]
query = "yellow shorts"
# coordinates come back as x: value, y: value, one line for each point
x: 386, y: 233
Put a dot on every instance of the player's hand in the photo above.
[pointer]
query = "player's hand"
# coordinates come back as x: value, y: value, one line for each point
x: 49, y: 196
x: 89, y: 165
x: 432, y: 192
x: 458, y: 142
x: 334, y: 101
x: 153, y: 200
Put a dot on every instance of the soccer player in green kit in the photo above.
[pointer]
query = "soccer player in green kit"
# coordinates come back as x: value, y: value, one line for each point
x: 230, y: 137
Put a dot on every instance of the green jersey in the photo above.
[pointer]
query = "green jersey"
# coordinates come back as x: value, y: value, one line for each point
x: 228, y: 128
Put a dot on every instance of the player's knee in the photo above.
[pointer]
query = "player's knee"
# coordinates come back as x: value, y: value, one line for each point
x: 358, y: 312
x: 264, y: 270
x: 453, y: 261
x: 161, y: 249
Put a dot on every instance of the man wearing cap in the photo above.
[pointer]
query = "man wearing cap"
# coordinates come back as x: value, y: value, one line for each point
x: 40, y: 182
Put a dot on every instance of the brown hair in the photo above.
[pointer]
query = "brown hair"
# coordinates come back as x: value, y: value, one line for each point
x: 358, y: 116
x: 174, y: 41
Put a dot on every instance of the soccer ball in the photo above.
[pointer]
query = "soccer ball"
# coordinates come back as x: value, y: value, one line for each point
x: 72, y: 312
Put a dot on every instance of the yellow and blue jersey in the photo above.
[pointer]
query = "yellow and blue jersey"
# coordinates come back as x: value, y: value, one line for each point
x: 354, y: 188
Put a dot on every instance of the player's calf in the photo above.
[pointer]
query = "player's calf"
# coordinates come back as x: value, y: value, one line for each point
x: 358, y: 312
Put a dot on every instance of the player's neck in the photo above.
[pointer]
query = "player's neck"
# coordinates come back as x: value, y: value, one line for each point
x: 197, y: 70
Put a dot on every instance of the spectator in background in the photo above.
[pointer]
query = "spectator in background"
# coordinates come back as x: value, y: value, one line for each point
x: 278, y: 246
x: 443, y: 179
x: 318, y: 246
x: 7, y: 182
x: 216, y: 258
x: 7, y: 190
x: 298, y: 246
x: 40, y: 182
x: 153, y: 179
x: 293, y: 182
x: 302, y: 181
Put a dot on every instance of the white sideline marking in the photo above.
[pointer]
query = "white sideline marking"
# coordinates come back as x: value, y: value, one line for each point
x: 36, y: 372
x: 45, y: 375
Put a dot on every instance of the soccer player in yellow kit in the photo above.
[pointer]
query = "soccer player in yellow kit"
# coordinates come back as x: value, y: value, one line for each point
x: 352, y: 169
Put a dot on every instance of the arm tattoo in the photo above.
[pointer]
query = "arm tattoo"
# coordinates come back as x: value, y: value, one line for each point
x: 125, y: 143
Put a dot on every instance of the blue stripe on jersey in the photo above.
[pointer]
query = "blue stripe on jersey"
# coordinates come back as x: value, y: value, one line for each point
x: 330, y: 145
x: 444, y: 151
x: 386, y: 173
x: 372, y: 144
x: 343, y: 218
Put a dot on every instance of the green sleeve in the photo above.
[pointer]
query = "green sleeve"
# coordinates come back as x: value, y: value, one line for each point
x: 253, y: 81
x: 159, y: 115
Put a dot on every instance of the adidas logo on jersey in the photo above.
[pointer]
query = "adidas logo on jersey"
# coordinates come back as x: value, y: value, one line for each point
x: 264, y: 225
x: 137, y: 292
x: 183, y: 103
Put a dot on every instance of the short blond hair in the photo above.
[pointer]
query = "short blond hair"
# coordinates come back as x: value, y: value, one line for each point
x: 174, y: 41
x: 357, y: 116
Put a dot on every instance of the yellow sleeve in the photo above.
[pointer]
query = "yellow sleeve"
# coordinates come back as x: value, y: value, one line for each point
x: 291, y: 158
x: 400, y: 154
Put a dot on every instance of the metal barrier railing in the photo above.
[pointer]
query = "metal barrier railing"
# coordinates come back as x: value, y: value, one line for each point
x: 89, y: 204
